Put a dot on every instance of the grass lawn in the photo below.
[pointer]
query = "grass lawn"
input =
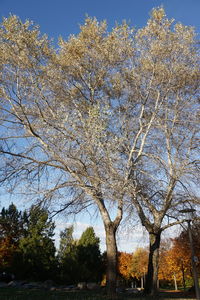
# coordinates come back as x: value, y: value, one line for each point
x: 22, y: 294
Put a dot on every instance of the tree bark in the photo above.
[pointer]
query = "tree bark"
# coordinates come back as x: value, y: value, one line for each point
x: 111, y: 245
x: 152, y: 274
x: 111, y: 272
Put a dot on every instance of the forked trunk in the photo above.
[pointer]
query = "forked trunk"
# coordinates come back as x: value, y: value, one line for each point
x: 111, y: 272
x: 152, y: 274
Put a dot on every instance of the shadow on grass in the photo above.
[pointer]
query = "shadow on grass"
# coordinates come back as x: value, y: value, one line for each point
x: 35, y: 294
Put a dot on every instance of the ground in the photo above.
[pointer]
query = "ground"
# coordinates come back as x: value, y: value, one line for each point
x: 19, y: 294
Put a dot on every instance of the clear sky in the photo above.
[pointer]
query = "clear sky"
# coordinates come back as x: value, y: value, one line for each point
x: 62, y: 18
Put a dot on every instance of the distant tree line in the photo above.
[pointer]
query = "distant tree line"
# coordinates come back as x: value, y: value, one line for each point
x: 28, y: 251
x: 27, y: 248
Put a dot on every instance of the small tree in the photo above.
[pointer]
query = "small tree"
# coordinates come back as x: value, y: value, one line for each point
x: 178, y: 264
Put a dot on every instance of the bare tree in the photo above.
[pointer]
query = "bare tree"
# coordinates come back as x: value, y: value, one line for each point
x: 60, y: 120
x: 164, y: 156
x: 103, y: 120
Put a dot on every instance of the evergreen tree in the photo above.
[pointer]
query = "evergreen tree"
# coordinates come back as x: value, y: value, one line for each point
x: 11, y: 223
x: 11, y: 230
x: 37, y: 248
x: 88, y: 237
x: 66, y: 241
x: 68, y: 257
x: 89, y: 256
x: 80, y: 260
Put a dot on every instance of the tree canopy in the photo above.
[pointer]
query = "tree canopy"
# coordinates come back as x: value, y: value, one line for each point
x: 109, y: 119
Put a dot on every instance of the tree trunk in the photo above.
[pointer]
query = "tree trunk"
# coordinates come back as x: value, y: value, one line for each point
x: 175, y: 283
x: 152, y: 274
x: 183, y: 277
x: 142, y: 282
x: 111, y: 272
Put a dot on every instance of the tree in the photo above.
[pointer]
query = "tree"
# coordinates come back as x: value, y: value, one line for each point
x: 7, y: 250
x: 108, y: 114
x: 36, y: 248
x: 11, y: 230
x: 168, y: 269
x: 90, y: 259
x: 89, y: 237
x: 178, y: 263
x: 12, y: 223
x: 139, y: 264
x: 180, y: 253
x: 175, y: 263
x: 26, y: 245
x: 165, y: 275
x: 68, y: 257
x: 125, y: 265
x: 66, y: 241
x: 62, y: 106
x: 164, y: 156
x: 80, y: 260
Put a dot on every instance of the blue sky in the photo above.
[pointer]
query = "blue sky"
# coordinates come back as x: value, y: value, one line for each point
x: 62, y: 18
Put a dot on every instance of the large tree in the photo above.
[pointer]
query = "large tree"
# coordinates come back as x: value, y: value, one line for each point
x: 63, y: 118
x: 103, y: 120
x: 164, y: 162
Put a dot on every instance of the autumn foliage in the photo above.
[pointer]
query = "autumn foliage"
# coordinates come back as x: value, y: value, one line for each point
x: 175, y: 260
x: 7, y: 250
x: 125, y: 265
x: 139, y: 262
x: 174, y: 264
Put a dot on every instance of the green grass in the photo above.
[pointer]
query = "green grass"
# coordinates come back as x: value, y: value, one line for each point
x: 22, y: 294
